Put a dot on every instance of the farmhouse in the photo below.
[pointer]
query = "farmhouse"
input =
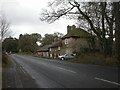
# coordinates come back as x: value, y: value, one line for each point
x: 76, y: 40
x: 55, y: 49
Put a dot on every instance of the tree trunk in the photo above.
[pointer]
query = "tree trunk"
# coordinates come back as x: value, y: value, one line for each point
x: 104, y: 40
x: 117, y: 29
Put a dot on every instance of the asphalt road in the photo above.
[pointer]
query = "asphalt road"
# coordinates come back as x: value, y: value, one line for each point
x: 61, y: 74
x: 14, y: 76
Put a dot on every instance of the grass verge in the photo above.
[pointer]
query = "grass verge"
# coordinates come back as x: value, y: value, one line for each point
x: 35, y: 55
x: 96, y: 59
x: 5, y: 65
x: 5, y: 60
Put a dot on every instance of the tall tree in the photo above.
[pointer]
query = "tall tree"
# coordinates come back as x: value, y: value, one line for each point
x: 27, y: 43
x: 10, y: 44
x: 50, y: 38
x: 117, y: 28
x: 97, y: 16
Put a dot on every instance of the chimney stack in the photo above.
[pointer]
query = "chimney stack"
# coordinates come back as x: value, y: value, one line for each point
x: 68, y: 29
x: 73, y: 27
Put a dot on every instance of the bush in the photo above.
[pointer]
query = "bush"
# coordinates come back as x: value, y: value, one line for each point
x: 4, y: 58
x: 95, y: 58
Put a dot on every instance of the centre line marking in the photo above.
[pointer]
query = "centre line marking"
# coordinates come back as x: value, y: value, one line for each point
x: 107, y: 81
x: 67, y: 70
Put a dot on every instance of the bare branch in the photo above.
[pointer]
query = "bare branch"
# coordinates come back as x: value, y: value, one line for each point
x: 4, y: 27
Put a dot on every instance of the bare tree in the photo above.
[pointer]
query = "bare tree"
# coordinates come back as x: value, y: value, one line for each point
x: 117, y: 29
x: 95, y: 17
x: 4, y: 27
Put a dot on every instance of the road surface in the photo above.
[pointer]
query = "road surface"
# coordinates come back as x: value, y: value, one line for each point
x: 14, y: 76
x: 61, y: 74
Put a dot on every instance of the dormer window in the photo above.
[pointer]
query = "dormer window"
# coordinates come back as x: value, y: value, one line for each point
x: 66, y: 41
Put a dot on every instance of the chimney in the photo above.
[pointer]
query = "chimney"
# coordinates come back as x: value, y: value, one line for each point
x: 73, y: 27
x: 68, y: 29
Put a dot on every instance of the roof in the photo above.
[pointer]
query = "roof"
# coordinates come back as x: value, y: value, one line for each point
x: 44, y: 48
x: 77, y: 33
x: 56, y: 44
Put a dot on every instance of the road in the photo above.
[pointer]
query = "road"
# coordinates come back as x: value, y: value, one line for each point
x: 14, y: 76
x: 61, y: 74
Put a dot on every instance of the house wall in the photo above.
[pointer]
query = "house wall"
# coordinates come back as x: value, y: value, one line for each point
x: 45, y: 54
x: 74, y: 45
x: 55, y: 52
x: 40, y: 53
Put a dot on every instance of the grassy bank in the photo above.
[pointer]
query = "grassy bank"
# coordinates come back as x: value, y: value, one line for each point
x: 96, y: 59
x: 5, y: 65
x: 5, y: 60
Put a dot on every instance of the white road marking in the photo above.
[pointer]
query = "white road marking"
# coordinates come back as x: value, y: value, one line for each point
x: 22, y: 69
x: 67, y: 70
x: 107, y: 81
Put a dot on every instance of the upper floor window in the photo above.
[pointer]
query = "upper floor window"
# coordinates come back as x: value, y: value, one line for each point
x: 66, y: 41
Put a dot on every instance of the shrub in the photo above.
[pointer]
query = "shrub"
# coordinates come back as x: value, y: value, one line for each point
x: 4, y: 58
x: 96, y: 58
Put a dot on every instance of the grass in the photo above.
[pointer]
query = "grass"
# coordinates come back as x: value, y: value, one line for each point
x: 96, y: 59
x: 46, y: 57
x: 5, y: 65
x: 5, y: 60
x: 25, y: 53
x: 35, y: 55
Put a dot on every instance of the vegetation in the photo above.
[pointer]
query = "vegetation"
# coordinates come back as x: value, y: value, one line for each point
x: 27, y: 42
x: 96, y: 59
x: 46, y: 57
x: 26, y: 53
x: 99, y: 18
x: 5, y: 60
x: 88, y: 58
x: 4, y: 27
x: 50, y: 38
x: 35, y: 55
x: 10, y: 45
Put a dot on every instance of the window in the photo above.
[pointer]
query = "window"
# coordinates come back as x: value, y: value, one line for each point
x: 58, y: 48
x: 66, y: 41
x: 50, y: 49
x: 50, y: 55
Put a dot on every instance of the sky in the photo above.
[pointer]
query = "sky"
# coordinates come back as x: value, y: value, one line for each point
x: 23, y: 16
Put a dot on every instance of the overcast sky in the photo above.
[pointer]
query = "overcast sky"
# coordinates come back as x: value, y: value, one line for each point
x: 24, y: 17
